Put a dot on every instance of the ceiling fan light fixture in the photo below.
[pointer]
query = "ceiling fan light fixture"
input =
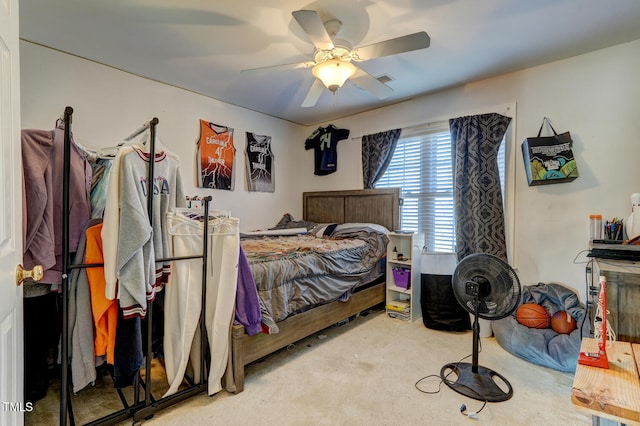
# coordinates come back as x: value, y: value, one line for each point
x: 333, y: 73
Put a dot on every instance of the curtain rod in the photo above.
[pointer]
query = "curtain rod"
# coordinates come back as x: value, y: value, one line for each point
x: 409, y: 128
x: 504, y: 109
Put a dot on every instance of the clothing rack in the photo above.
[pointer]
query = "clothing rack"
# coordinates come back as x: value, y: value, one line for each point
x: 142, y: 128
x: 145, y: 409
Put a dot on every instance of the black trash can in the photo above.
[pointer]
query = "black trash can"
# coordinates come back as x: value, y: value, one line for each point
x: 440, y: 309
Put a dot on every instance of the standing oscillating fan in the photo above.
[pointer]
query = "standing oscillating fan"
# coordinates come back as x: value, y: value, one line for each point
x: 488, y: 288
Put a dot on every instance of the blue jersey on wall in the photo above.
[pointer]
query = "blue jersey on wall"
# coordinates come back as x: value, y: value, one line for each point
x: 324, y: 141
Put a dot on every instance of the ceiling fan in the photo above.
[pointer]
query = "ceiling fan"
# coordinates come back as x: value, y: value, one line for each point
x: 333, y: 59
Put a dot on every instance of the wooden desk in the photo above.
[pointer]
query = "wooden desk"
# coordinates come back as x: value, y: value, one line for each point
x: 612, y: 393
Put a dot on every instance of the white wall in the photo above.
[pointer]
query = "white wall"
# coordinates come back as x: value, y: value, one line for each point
x: 109, y: 104
x: 596, y: 97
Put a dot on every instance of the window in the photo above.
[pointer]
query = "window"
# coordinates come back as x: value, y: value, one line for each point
x: 422, y: 167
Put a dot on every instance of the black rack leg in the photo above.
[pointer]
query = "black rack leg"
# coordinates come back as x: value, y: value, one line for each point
x: 64, y: 368
x: 72, y: 420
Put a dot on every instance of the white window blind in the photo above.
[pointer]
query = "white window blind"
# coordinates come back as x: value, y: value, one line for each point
x: 422, y: 167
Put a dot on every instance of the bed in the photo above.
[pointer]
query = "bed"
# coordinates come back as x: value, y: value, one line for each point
x: 376, y: 206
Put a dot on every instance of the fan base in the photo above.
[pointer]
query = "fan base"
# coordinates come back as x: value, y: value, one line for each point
x: 480, y: 385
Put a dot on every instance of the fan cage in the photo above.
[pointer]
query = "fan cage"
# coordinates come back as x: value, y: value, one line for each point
x: 489, y: 282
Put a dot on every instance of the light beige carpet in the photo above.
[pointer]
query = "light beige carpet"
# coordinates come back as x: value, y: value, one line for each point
x: 364, y: 373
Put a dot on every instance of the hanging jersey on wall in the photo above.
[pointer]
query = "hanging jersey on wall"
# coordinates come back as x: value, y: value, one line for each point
x: 259, y: 163
x: 324, y: 141
x: 215, y: 156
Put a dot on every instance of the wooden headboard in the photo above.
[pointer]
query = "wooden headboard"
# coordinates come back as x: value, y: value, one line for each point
x: 381, y: 206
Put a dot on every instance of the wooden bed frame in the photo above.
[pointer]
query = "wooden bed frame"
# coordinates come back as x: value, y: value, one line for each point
x: 381, y: 206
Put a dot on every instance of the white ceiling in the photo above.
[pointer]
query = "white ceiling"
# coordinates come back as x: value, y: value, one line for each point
x: 202, y: 45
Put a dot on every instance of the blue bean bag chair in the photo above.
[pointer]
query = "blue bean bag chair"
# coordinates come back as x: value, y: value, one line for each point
x: 544, y: 346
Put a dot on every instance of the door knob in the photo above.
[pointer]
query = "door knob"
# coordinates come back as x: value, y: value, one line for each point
x: 22, y: 274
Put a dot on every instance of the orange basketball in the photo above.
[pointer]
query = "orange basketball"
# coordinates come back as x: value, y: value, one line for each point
x: 563, y: 323
x: 533, y: 315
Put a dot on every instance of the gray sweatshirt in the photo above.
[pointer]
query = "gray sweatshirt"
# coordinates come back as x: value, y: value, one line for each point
x: 139, y: 244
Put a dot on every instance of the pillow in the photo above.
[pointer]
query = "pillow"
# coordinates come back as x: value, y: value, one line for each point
x: 288, y: 222
x: 323, y: 230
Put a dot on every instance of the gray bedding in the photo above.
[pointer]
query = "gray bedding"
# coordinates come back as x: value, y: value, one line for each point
x: 296, y: 273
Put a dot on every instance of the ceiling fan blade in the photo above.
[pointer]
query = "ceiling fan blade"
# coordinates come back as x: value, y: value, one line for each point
x: 299, y: 65
x: 311, y: 23
x: 393, y: 46
x: 371, y: 84
x: 313, y: 94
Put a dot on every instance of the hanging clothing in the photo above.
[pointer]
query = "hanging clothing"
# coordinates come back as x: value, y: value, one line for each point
x: 139, y: 243
x: 183, y: 297
x: 215, y: 156
x: 79, y: 198
x: 128, y: 355
x: 247, y: 312
x: 259, y: 163
x: 111, y: 214
x: 104, y: 311
x: 43, y: 173
x: 130, y: 245
x: 37, y: 212
x: 42, y: 158
x: 99, y: 184
x: 324, y: 142
x: 111, y: 225
x: 81, y: 324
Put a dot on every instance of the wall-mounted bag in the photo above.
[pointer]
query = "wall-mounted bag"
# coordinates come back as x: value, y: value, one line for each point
x: 549, y: 159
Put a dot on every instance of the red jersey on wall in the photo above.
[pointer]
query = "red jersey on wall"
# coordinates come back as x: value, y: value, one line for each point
x: 215, y: 156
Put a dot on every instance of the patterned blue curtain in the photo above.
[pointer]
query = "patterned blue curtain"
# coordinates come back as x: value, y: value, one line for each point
x: 377, y: 151
x: 477, y: 193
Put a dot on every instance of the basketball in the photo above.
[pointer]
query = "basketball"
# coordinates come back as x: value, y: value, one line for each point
x: 533, y: 315
x: 563, y: 323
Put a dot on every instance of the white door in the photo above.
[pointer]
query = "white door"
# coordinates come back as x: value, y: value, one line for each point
x: 11, y: 335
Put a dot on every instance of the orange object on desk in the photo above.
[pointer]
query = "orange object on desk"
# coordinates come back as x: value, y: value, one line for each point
x: 612, y: 393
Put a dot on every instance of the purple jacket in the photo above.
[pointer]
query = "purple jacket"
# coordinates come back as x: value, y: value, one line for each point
x: 43, y: 179
x: 247, y: 302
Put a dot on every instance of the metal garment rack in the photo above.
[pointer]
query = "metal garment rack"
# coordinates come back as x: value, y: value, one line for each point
x: 140, y: 409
